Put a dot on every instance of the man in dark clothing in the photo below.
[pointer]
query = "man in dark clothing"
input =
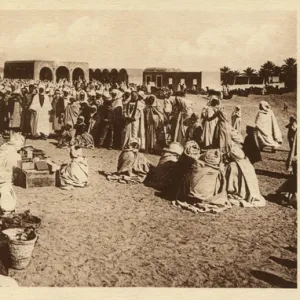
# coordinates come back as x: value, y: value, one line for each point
x: 107, y: 123
x: 250, y: 147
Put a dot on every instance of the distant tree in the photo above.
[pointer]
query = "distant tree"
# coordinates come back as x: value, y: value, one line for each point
x: 249, y: 72
x: 267, y: 70
x: 277, y: 71
x: 226, y: 74
x: 289, y: 70
x: 236, y: 73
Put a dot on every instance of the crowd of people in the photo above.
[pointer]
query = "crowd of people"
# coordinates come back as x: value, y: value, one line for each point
x: 196, y: 149
x: 208, y: 166
x: 86, y: 114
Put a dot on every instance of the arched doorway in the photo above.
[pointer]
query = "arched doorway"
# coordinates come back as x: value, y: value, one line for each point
x: 98, y: 74
x: 78, y: 74
x: 105, y: 75
x: 62, y: 73
x: 46, y: 74
x: 123, y: 76
x: 113, y: 75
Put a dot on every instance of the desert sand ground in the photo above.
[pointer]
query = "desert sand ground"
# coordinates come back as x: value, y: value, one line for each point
x: 116, y: 235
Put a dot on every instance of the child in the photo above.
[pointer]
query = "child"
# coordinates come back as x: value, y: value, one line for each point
x: 250, y: 147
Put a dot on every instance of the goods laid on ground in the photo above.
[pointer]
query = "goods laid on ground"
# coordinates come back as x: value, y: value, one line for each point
x: 24, y: 220
x: 21, y: 242
x: 35, y: 169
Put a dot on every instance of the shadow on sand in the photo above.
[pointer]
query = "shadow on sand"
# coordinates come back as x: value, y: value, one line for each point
x: 274, y: 279
x: 291, y: 264
x: 271, y: 174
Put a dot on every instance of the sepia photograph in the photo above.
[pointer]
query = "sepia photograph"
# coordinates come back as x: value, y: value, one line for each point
x: 148, y: 147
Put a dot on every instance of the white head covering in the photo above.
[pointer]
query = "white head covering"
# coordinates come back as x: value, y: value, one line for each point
x: 92, y: 93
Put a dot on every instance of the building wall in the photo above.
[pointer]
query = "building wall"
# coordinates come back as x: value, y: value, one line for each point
x: 211, y: 80
x: 31, y: 69
x: 54, y: 65
x: 176, y: 78
x: 19, y: 69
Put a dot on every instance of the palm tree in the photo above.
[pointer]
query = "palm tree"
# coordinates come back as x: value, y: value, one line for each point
x: 249, y: 72
x: 289, y: 70
x: 267, y: 70
x: 225, y: 75
x: 234, y: 75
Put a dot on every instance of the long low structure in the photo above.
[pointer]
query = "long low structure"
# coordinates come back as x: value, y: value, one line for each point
x: 112, y: 75
x: 161, y: 77
x: 46, y: 70
x: 55, y: 70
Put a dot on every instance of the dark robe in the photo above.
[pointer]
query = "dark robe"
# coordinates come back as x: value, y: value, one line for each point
x: 250, y: 148
x: 58, y: 111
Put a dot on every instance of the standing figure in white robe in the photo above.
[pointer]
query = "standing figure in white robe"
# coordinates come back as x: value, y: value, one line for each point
x: 267, y: 131
x: 41, y: 107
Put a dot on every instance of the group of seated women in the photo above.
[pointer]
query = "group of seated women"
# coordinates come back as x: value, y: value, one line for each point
x: 204, y: 182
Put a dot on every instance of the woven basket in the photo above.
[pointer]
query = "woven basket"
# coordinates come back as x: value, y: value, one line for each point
x: 20, y: 251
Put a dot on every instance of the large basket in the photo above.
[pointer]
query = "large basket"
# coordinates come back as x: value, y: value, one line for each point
x: 20, y: 251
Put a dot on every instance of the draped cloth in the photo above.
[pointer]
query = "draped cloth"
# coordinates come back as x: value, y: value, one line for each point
x: 154, y: 120
x: 241, y: 181
x: 236, y: 119
x: 75, y: 173
x: 71, y: 113
x: 8, y: 161
x: 222, y: 133
x: 164, y: 173
x: 180, y: 112
x: 132, y: 165
x: 15, y: 108
x: 267, y: 132
x: 208, y: 126
x: 58, y: 111
x: 250, y: 146
x: 82, y: 138
x: 203, y: 187
x: 40, y: 121
x: 134, y: 124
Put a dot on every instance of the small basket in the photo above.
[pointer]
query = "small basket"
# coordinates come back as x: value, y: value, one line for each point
x: 20, y: 251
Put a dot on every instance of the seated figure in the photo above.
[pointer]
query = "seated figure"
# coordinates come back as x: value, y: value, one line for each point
x: 82, y: 138
x: 75, y: 173
x: 203, y: 186
x: 241, y: 181
x: 164, y: 173
x: 133, y: 163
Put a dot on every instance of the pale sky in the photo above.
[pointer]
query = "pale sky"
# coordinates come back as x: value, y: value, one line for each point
x: 199, y: 40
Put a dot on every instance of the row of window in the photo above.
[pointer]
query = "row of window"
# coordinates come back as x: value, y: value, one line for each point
x: 158, y: 80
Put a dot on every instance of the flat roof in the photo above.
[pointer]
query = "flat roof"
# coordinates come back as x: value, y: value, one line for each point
x: 162, y: 70
x: 48, y: 61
